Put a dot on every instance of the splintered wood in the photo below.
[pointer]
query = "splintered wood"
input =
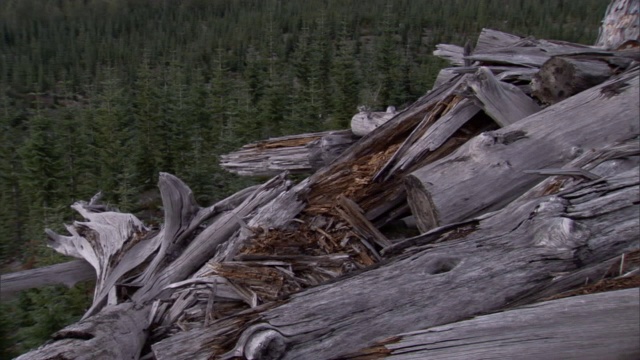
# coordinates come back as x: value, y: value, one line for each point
x: 514, y: 205
x: 352, y: 180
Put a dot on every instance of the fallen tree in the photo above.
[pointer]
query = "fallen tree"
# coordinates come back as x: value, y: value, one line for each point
x: 607, y: 323
x: 489, y: 170
x: 315, y: 269
x: 68, y: 274
x: 501, y: 257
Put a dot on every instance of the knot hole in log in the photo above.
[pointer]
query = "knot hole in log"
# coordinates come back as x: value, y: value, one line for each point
x: 265, y: 345
x: 441, y: 265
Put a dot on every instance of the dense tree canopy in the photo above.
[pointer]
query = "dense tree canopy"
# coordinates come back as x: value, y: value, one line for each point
x: 104, y: 94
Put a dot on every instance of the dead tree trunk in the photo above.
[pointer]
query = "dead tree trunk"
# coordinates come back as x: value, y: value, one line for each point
x: 595, y: 326
x: 119, y: 330
x: 366, y: 121
x: 295, y: 153
x: 68, y: 274
x: 502, y: 257
x: 489, y: 169
x: 493, y: 94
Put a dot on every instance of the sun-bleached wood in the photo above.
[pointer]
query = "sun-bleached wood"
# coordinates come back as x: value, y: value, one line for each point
x: 505, y: 255
x: 594, y: 326
x: 492, y: 94
x: 294, y: 153
x: 489, y: 169
x: 67, y: 274
x: 366, y: 121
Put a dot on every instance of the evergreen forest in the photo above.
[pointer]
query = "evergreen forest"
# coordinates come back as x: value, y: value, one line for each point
x: 104, y: 94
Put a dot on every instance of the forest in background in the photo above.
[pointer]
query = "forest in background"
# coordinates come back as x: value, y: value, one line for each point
x: 104, y: 94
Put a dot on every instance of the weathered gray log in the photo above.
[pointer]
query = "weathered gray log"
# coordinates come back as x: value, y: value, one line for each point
x: 502, y: 73
x: 589, y: 275
x: 563, y: 77
x: 444, y: 92
x: 200, y: 249
x: 444, y: 75
x: 595, y: 326
x: 115, y: 333
x: 490, y: 39
x: 366, y: 121
x: 452, y: 53
x: 504, y: 102
x: 503, y: 256
x: 181, y: 252
x: 620, y: 24
x: 606, y: 161
x: 489, y: 168
x: 111, y: 242
x: 295, y: 153
x: 326, y: 149
x: 531, y: 52
x: 352, y: 213
x: 67, y: 274
x: 434, y: 137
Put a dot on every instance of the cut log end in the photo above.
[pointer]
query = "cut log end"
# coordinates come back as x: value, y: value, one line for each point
x: 562, y: 77
x: 421, y: 204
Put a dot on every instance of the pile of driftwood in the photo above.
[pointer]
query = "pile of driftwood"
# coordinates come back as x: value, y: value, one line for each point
x: 514, y: 181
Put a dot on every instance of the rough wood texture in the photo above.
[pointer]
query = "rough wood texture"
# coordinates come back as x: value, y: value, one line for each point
x: 595, y: 326
x: 111, y: 242
x: 366, y: 121
x: 490, y: 39
x: 493, y: 94
x: 530, y: 52
x: 67, y: 274
x: 620, y: 24
x: 452, y: 53
x: 563, y: 77
x: 265, y: 273
x: 202, y: 248
x: 489, y: 168
x: 433, y: 138
x: 295, y: 153
x: 439, y: 284
x: 116, y: 333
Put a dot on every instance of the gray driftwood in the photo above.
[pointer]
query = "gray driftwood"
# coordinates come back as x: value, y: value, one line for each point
x: 119, y: 330
x: 489, y: 169
x: 68, y: 274
x: 595, y: 326
x: 453, y: 53
x: 504, y: 255
x: 490, y: 39
x: 240, y: 278
x: 492, y: 94
x: 116, y: 333
x: 294, y: 153
x: 366, y: 121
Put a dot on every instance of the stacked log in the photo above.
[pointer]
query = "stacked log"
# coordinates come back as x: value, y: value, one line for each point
x: 515, y: 202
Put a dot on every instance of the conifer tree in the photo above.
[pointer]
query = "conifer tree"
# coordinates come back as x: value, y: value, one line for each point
x: 344, y: 80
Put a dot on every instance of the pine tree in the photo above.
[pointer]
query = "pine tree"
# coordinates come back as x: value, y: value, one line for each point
x: 386, y: 61
x: 148, y: 140
x: 344, y: 80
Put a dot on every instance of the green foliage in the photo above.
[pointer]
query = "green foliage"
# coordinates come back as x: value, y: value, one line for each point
x: 103, y: 95
x: 29, y: 320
